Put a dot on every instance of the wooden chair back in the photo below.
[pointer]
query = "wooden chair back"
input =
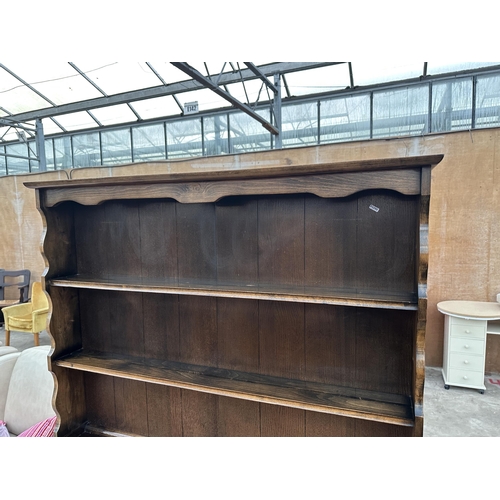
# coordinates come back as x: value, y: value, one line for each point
x: 23, y: 284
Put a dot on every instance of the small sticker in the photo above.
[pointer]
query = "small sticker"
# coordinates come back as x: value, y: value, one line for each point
x: 374, y: 208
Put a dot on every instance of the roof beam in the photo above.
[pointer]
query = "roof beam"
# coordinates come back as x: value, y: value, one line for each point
x: 196, y: 75
x: 13, y: 121
x: 162, y: 90
x: 6, y: 122
x: 286, y: 86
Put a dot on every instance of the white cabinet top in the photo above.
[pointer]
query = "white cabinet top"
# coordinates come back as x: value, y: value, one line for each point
x: 470, y: 310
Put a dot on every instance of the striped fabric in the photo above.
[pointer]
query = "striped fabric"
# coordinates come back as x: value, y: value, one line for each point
x: 45, y: 428
x: 4, y: 433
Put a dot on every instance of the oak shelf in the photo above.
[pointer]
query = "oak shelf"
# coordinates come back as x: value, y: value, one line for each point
x: 318, y: 397
x: 305, y: 294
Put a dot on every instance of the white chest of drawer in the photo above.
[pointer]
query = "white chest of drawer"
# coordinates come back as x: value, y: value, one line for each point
x: 464, y: 351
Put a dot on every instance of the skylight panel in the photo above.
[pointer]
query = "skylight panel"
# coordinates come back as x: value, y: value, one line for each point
x: 157, y: 107
x: 112, y: 115
x: 370, y: 73
x: 76, y: 121
x: 22, y: 99
x: 57, y: 81
x: 435, y: 68
x: 37, y: 71
x: 67, y: 90
x: 16, y: 97
x: 119, y: 77
x: 169, y: 74
x: 314, y: 81
x: 49, y: 127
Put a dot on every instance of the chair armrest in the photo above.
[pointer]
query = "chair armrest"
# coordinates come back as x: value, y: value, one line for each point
x: 40, y: 319
x: 17, y: 310
x: 38, y: 312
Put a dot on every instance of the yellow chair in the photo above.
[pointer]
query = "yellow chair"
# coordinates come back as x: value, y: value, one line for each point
x: 30, y: 317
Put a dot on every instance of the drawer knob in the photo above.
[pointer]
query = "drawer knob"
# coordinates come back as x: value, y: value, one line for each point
x: 466, y: 346
x: 466, y: 362
x: 467, y: 331
x: 465, y: 377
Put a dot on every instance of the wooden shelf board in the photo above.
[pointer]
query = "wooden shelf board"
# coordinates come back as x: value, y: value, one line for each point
x: 312, y: 396
x: 93, y: 431
x: 307, y: 294
x: 239, y: 174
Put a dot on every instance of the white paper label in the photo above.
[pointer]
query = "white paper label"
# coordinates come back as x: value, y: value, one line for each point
x: 190, y: 107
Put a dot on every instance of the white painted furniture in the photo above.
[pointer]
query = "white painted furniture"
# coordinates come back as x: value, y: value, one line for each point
x: 466, y: 326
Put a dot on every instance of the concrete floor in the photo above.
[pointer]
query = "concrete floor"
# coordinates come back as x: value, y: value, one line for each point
x: 460, y: 412
x: 456, y: 412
